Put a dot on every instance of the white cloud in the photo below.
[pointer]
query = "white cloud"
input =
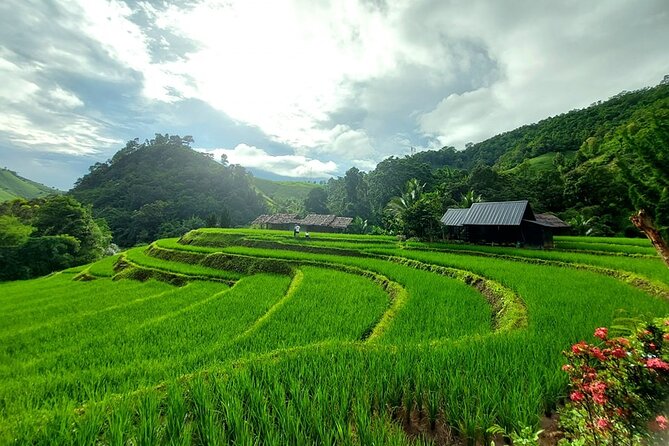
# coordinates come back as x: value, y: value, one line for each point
x: 552, y: 58
x: 65, y: 99
x: 78, y: 137
x: 336, y: 80
x: 40, y: 117
x: 286, y: 165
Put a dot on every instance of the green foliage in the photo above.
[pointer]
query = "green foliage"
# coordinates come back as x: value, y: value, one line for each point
x: 13, y: 186
x: 644, y: 145
x: 316, y: 201
x: 599, y: 162
x: 48, y: 234
x: 13, y: 232
x: 163, y: 187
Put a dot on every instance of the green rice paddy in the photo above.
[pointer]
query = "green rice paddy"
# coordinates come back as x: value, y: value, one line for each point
x: 254, y: 337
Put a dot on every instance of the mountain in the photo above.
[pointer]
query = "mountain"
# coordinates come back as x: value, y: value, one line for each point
x: 284, y: 190
x: 163, y: 188
x: 566, y: 132
x: 14, y: 186
x: 593, y: 167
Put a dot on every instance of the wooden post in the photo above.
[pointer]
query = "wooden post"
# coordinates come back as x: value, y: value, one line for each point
x: 645, y: 224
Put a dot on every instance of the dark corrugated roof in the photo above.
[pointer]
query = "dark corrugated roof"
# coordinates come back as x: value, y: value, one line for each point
x: 550, y: 220
x: 454, y: 217
x: 496, y: 213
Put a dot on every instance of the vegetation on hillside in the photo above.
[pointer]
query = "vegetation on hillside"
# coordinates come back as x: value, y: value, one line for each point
x: 163, y: 188
x: 48, y: 234
x: 593, y: 167
x: 13, y: 186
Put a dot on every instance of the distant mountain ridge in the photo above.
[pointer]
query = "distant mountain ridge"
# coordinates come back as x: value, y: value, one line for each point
x: 562, y: 133
x: 13, y: 186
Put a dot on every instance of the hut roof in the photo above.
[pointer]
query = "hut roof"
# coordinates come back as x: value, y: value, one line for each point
x: 550, y: 221
x: 275, y: 219
x: 341, y: 222
x: 318, y: 220
x: 454, y: 217
x: 493, y: 213
x: 324, y: 220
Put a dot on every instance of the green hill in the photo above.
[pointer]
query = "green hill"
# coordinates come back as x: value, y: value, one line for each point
x: 163, y: 188
x: 13, y: 186
x: 284, y: 190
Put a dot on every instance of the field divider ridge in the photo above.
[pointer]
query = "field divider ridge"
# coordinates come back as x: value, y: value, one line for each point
x: 129, y: 269
x: 509, y: 311
x: 295, y: 283
x: 652, y: 287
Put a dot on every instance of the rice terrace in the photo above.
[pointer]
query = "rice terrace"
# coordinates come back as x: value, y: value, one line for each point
x: 243, y: 336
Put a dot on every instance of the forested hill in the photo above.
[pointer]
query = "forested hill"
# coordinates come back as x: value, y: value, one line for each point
x: 14, y: 186
x: 563, y: 133
x: 162, y: 188
x: 592, y: 167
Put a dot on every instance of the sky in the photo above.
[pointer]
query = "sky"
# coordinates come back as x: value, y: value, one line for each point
x: 305, y: 88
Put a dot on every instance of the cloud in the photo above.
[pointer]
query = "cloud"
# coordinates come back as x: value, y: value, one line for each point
x: 551, y: 59
x: 296, y: 166
x: 319, y: 86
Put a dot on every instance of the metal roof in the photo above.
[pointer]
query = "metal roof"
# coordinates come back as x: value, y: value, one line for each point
x: 454, y: 217
x: 496, y: 213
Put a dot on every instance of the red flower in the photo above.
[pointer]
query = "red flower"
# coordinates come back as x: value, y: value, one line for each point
x: 567, y: 368
x: 662, y: 422
x: 576, y: 396
x: 597, y: 353
x: 657, y: 364
x: 602, y: 333
x: 579, y: 348
x: 652, y: 346
x: 603, y: 423
x: 618, y: 352
x: 599, y: 398
x: 624, y: 342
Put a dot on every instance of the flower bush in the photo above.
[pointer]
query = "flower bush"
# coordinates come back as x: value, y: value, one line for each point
x: 619, y: 388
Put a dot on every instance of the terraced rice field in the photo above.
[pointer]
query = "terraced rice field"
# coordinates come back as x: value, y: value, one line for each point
x: 253, y: 337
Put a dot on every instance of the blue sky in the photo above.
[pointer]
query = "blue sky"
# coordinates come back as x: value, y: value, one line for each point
x: 305, y: 88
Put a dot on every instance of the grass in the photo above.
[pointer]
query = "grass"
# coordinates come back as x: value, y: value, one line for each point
x: 286, y: 358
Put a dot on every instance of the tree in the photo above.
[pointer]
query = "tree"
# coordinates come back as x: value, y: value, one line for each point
x: 48, y: 234
x: 643, y: 159
x: 316, y: 201
x: 13, y: 232
x: 63, y: 215
x: 466, y: 200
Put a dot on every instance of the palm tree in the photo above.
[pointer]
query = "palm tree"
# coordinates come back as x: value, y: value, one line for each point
x: 469, y: 198
x: 398, y: 205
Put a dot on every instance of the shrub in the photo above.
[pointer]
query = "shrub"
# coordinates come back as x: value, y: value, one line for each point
x: 619, y: 388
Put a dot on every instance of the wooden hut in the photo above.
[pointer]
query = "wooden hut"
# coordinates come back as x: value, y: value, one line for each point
x: 504, y: 223
x: 312, y: 222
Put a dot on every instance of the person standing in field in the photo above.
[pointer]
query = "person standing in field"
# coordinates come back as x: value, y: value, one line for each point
x: 296, y: 231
